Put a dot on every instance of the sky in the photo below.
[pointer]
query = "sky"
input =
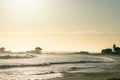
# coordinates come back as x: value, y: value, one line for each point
x: 59, y: 25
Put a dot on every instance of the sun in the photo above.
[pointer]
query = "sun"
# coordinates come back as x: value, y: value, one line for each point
x: 24, y: 10
x: 24, y: 4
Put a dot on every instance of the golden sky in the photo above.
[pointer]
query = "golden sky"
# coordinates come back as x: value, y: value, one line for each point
x: 59, y: 25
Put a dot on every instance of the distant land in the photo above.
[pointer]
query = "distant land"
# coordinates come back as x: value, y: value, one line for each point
x: 38, y: 50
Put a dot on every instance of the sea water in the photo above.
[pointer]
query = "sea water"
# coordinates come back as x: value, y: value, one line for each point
x: 47, y: 66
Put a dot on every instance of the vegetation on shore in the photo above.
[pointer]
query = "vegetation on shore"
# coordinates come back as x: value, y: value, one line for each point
x: 37, y: 50
x: 115, y: 50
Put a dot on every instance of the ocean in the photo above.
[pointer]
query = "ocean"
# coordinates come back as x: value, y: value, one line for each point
x: 48, y: 66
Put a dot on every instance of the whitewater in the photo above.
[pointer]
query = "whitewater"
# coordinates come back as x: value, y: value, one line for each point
x: 48, y: 66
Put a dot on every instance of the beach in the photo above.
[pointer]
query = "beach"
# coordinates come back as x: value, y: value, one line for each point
x: 108, y: 74
x: 59, y: 67
x: 90, y: 76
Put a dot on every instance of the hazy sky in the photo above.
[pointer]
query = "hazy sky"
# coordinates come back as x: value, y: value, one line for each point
x: 64, y: 25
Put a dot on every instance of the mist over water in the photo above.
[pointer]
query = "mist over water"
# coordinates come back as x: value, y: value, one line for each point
x: 46, y: 66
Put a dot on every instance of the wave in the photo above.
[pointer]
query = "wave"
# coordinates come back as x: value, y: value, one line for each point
x: 48, y: 64
x: 46, y: 76
x: 107, y: 59
x: 16, y: 57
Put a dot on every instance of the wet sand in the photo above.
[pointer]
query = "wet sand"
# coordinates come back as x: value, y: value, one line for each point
x: 90, y: 76
x: 108, y: 74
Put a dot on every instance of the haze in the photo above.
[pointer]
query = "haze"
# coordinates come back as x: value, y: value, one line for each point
x: 59, y: 25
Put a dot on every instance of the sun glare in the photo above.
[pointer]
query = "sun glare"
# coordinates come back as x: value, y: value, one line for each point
x: 26, y: 4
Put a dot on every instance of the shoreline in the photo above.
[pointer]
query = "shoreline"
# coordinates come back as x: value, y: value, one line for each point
x: 90, y: 76
x: 108, y: 74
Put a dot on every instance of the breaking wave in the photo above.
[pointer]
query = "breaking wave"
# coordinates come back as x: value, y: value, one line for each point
x: 48, y: 64
x: 16, y: 56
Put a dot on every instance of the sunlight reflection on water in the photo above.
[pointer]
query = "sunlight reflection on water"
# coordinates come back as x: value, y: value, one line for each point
x: 49, y: 65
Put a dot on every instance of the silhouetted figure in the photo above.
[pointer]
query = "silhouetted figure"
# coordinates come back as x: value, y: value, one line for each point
x: 116, y: 49
x: 114, y: 46
x: 38, y: 50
